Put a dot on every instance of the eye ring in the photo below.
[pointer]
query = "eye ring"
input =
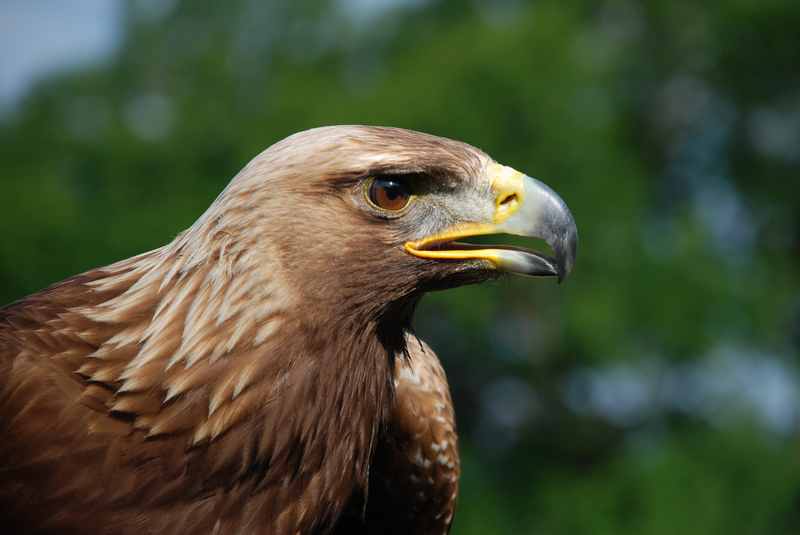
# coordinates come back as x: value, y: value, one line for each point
x: 388, y: 194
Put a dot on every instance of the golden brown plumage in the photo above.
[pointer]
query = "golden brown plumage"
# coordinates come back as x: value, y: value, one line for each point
x: 257, y: 374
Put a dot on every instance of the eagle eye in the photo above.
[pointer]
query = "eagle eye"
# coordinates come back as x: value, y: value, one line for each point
x: 388, y: 193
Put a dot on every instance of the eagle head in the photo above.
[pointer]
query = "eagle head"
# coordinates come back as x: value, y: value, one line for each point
x: 255, y: 373
x: 382, y: 212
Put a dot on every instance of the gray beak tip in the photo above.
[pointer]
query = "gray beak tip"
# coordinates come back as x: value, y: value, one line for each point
x: 566, y: 250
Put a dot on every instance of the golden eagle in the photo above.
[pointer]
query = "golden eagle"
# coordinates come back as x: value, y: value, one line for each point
x: 258, y: 374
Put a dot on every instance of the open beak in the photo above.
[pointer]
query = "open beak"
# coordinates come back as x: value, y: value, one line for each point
x: 524, y: 206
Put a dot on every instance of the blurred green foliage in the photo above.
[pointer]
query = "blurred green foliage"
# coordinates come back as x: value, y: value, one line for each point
x: 655, y: 391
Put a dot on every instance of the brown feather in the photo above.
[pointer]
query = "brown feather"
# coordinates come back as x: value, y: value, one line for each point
x: 243, y: 378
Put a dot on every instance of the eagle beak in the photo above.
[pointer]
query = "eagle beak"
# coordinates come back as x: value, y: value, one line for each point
x: 524, y: 206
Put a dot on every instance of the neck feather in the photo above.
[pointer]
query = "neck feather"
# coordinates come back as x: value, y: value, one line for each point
x: 212, y: 349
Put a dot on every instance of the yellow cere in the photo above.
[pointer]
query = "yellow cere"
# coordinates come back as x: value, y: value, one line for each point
x: 508, y: 188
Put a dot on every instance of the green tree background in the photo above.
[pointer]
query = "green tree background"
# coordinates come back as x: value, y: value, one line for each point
x: 656, y: 391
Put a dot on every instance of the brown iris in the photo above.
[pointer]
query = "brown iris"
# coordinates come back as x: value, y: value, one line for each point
x: 389, y: 193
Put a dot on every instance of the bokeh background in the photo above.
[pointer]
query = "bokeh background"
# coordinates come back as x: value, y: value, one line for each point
x: 656, y: 391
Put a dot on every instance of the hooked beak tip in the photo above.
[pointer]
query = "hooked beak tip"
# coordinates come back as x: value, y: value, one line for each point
x: 567, y: 249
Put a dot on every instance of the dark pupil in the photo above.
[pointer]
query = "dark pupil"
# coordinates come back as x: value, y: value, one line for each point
x: 389, y: 194
x: 393, y: 189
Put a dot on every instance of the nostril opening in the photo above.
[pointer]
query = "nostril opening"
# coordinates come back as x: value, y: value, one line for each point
x: 509, y: 199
